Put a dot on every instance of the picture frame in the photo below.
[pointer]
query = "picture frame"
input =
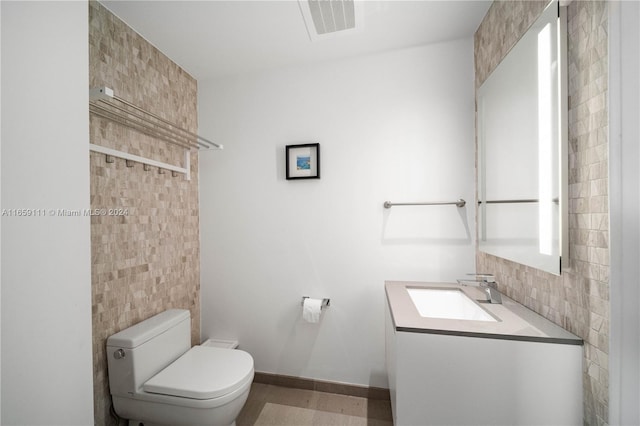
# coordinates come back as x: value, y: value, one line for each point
x: 302, y: 161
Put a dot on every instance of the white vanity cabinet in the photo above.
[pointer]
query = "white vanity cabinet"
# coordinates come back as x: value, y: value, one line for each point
x: 454, y: 374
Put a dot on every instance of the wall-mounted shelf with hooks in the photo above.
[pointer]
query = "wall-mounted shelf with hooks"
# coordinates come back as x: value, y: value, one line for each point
x: 186, y: 170
x: 104, y: 103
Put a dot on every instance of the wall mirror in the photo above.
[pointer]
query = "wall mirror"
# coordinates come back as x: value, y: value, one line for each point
x: 522, y: 149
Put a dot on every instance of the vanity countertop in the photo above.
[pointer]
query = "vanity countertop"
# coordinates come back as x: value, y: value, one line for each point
x: 515, y: 321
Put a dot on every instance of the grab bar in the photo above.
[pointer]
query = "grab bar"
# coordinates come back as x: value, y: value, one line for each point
x: 460, y: 203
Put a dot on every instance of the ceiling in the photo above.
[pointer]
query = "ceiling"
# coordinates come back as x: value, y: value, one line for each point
x: 213, y: 39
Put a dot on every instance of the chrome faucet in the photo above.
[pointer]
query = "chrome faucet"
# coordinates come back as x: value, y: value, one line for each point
x: 486, y: 281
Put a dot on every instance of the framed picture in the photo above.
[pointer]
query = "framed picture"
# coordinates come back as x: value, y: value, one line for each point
x: 303, y: 161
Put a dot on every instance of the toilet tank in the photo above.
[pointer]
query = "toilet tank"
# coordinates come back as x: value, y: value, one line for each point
x: 139, y: 352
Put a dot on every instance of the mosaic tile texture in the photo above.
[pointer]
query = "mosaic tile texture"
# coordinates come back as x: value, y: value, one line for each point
x: 579, y: 299
x: 146, y: 260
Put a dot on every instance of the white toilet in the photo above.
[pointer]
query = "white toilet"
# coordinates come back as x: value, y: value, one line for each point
x: 156, y: 378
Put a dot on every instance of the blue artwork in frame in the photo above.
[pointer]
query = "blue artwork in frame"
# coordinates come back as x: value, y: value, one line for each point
x: 303, y: 161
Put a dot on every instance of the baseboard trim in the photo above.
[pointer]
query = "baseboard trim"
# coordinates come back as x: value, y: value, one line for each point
x: 322, y: 386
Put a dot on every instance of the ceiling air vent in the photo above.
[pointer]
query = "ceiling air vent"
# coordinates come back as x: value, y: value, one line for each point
x: 323, y: 17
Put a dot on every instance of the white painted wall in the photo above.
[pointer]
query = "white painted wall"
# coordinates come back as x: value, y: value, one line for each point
x: 46, y: 276
x: 624, y: 109
x: 396, y: 126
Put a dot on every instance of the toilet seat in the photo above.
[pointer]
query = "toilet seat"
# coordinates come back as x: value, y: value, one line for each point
x: 202, y: 373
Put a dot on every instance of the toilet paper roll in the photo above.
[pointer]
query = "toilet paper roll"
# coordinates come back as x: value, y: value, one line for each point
x: 311, y: 309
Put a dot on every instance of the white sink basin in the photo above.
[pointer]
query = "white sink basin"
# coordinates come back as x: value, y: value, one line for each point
x: 447, y: 303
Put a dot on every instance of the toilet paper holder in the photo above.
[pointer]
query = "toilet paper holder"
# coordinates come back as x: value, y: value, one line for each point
x: 325, y: 302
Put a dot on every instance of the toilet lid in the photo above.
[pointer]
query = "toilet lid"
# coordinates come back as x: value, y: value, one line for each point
x: 203, y: 372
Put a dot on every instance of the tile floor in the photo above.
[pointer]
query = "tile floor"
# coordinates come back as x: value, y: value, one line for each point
x: 281, y: 406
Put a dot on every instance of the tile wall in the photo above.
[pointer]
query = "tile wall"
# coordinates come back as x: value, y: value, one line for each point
x: 579, y: 299
x: 146, y: 260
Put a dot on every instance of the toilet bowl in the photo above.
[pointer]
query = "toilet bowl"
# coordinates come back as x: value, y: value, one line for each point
x: 155, y: 377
